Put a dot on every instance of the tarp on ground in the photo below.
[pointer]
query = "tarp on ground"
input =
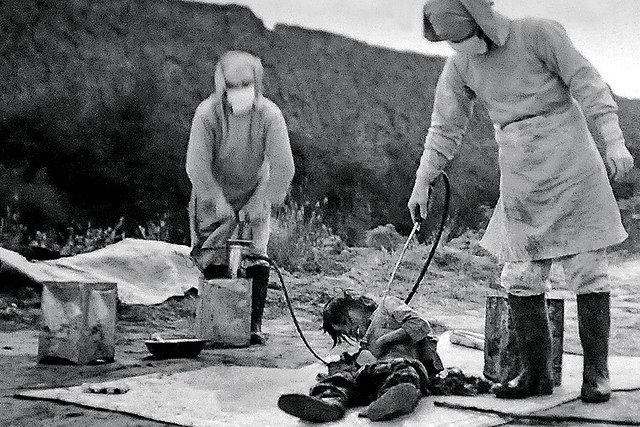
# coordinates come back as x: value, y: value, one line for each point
x: 247, y: 396
x: 221, y: 396
x: 146, y: 271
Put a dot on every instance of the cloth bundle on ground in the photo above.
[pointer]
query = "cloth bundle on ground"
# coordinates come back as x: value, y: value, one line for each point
x: 146, y: 272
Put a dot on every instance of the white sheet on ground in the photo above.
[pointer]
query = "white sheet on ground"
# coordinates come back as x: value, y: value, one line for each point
x: 247, y: 396
x: 239, y: 396
x: 147, y: 272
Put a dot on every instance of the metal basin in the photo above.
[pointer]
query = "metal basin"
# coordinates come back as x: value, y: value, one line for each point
x: 175, y: 348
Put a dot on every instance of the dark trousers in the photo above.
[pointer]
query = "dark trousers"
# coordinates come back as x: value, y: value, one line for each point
x: 365, y: 385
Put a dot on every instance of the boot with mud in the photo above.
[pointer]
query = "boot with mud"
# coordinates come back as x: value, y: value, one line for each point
x: 259, y: 275
x: 398, y: 400
x: 594, y: 322
x: 531, y: 324
x: 311, y: 408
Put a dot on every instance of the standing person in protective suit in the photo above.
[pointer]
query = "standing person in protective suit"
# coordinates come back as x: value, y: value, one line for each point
x: 556, y: 203
x: 239, y: 163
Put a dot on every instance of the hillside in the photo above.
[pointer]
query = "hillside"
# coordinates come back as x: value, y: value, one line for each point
x: 96, y: 100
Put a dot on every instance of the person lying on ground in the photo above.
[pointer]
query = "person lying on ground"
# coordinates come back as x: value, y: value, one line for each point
x: 396, y: 365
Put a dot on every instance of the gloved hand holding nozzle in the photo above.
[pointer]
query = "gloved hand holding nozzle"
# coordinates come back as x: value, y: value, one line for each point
x: 431, y: 165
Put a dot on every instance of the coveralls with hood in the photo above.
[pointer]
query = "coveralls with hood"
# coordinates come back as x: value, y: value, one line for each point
x: 239, y: 162
x: 556, y: 203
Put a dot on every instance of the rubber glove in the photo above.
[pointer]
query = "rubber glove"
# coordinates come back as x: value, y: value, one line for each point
x: 431, y: 165
x: 258, y: 208
x: 618, y: 158
x: 217, y: 206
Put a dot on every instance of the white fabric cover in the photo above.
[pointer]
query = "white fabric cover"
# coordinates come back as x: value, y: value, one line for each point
x: 146, y: 271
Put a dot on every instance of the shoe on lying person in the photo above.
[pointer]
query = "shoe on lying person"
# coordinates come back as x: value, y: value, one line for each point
x: 311, y: 408
x: 398, y: 400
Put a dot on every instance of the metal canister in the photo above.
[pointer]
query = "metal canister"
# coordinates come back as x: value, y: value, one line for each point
x: 501, y: 360
x: 223, y: 312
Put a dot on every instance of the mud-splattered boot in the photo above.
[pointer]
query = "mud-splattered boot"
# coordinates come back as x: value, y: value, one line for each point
x: 531, y: 324
x: 259, y: 275
x: 594, y: 323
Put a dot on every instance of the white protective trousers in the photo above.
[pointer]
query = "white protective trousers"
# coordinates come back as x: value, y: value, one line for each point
x: 584, y: 273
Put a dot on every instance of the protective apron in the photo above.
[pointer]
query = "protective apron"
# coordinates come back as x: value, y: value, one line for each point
x: 210, y: 234
x: 555, y: 197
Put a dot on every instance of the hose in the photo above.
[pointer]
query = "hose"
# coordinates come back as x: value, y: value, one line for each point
x: 436, y: 241
x: 273, y: 264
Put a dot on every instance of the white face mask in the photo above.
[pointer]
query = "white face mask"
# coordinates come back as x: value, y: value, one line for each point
x: 473, y: 45
x: 241, y: 99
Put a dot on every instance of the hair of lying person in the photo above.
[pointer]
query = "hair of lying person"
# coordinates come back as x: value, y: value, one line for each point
x: 336, y: 311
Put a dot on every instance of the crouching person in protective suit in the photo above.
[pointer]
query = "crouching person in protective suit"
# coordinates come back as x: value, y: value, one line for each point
x: 239, y: 163
x: 556, y: 204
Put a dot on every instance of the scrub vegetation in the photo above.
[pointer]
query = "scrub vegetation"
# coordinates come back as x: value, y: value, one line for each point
x: 75, y: 239
x: 96, y: 100
x: 298, y: 237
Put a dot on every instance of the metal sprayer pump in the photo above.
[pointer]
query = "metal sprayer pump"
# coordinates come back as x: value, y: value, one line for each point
x: 236, y: 251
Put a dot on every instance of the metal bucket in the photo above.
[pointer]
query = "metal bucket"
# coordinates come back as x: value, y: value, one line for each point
x: 78, y: 322
x: 501, y: 361
x: 223, y: 312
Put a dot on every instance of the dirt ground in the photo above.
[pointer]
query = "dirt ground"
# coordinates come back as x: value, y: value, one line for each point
x: 452, y: 296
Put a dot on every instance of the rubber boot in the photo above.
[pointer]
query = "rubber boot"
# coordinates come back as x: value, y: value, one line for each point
x: 311, y: 408
x: 259, y: 275
x: 594, y: 323
x: 398, y: 400
x: 531, y: 324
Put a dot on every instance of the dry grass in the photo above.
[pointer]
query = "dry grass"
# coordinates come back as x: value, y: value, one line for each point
x: 298, y: 237
x: 76, y: 238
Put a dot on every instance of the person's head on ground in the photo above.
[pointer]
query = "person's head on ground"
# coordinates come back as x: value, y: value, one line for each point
x: 238, y: 77
x: 346, y: 318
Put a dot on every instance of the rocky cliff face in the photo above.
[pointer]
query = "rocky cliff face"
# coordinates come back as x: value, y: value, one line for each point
x: 97, y: 98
